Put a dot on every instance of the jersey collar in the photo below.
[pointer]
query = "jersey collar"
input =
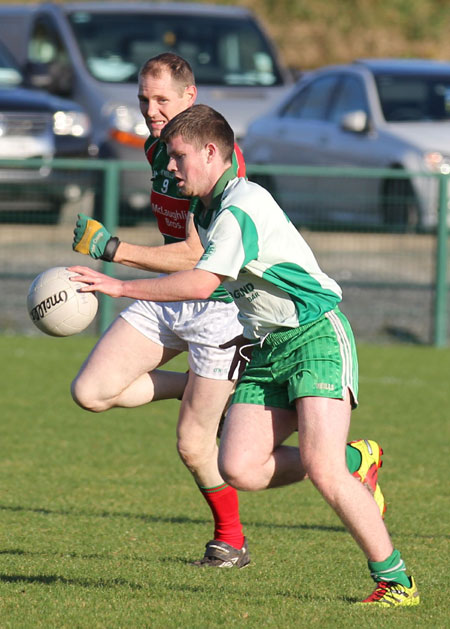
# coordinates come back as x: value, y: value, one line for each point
x: 204, y: 215
x: 220, y: 186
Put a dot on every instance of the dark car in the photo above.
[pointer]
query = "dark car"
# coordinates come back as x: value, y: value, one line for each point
x: 373, y: 113
x: 35, y: 124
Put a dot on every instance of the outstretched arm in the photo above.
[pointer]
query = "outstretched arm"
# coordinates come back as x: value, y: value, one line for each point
x: 92, y: 238
x: 181, y: 286
x: 178, y: 256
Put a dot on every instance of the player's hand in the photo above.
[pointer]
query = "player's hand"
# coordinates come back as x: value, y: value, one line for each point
x: 242, y: 355
x: 92, y: 238
x: 96, y: 282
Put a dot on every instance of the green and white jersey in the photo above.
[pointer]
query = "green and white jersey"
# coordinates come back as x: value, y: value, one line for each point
x: 270, y: 270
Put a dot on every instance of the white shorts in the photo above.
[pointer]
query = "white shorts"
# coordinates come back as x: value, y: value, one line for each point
x: 196, y: 327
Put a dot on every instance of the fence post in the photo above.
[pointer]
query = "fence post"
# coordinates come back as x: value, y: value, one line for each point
x: 440, y: 309
x: 111, y: 219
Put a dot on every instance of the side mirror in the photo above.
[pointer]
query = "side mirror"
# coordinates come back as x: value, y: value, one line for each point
x: 355, y: 121
x: 51, y: 77
x: 295, y: 73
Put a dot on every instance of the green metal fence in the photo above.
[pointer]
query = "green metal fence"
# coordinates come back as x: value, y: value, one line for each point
x: 393, y: 268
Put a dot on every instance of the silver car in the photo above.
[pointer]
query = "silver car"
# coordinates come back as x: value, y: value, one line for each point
x: 375, y: 113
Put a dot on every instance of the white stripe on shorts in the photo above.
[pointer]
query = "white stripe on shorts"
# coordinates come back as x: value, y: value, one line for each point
x: 345, y: 350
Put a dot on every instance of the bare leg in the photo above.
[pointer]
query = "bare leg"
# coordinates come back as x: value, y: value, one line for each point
x: 323, y: 425
x: 251, y: 455
x: 201, y: 409
x: 122, y: 371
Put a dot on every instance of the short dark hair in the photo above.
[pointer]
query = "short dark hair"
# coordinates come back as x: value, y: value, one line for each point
x: 199, y: 125
x: 179, y: 69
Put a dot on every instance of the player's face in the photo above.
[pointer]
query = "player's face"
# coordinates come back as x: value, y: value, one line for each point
x: 160, y: 99
x: 189, y: 164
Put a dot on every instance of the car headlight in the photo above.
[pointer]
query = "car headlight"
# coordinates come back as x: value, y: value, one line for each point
x: 128, y: 125
x: 129, y: 119
x: 437, y: 162
x: 73, y: 123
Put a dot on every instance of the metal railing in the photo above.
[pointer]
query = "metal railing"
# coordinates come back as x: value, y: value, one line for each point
x: 441, y: 227
x: 435, y: 282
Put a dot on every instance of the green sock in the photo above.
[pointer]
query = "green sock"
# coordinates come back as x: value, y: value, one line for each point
x: 391, y: 569
x: 353, y: 458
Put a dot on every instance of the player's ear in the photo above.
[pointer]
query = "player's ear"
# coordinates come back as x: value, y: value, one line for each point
x: 211, y: 151
x: 190, y: 93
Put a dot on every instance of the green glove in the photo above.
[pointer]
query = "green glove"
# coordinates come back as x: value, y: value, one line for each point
x: 93, y: 239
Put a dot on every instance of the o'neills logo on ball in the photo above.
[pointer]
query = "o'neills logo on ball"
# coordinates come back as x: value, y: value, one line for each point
x: 42, y: 309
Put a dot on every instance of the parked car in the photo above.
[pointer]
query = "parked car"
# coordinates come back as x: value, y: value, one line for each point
x: 36, y: 124
x: 373, y: 113
x: 92, y: 52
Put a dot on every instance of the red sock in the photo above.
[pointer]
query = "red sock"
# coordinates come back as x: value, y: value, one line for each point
x: 224, y: 504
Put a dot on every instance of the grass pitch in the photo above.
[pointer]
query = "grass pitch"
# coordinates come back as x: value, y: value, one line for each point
x: 99, y: 518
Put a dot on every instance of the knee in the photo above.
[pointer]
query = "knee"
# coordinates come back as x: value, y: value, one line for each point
x: 238, y: 473
x: 84, y: 395
x: 326, y: 479
x: 194, y: 454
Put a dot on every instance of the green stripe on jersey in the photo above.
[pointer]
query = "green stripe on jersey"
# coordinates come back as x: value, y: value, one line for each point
x: 311, y: 299
x: 249, y: 233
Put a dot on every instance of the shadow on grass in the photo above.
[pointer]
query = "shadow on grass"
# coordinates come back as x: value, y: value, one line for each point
x: 69, y: 555
x: 198, y: 589
x: 166, y: 520
x: 55, y: 579
x: 52, y: 580
x: 187, y: 520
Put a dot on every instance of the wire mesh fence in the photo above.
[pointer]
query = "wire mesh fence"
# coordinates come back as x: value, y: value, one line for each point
x: 392, y: 270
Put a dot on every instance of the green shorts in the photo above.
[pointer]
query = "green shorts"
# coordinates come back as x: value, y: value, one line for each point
x: 318, y: 359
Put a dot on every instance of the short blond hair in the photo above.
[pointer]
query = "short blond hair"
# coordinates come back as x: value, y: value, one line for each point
x: 178, y: 68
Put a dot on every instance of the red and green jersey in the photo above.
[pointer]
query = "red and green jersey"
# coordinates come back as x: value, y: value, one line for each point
x: 170, y: 208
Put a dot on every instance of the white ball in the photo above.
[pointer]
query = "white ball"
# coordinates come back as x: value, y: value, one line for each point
x: 55, y: 305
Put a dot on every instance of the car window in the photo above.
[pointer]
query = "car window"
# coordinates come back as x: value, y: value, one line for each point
x: 351, y: 96
x: 221, y: 51
x: 408, y: 97
x: 10, y: 74
x: 45, y: 45
x: 312, y: 102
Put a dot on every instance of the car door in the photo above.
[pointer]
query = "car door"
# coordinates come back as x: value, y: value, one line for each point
x: 355, y: 199
x: 296, y: 141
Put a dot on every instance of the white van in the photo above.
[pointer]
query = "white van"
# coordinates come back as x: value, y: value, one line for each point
x: 92, y: 52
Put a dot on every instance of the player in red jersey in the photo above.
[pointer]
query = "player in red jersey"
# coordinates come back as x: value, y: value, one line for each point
x: 122, y: 369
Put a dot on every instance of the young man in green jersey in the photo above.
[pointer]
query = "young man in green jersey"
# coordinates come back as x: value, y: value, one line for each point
x: 122, y: 370
x: 303, y: 371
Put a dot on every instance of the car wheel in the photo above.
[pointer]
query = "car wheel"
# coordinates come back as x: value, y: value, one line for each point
x: 399, y: 206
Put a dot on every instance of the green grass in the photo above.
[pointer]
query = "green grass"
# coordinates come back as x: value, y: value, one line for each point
x: 99, y: 518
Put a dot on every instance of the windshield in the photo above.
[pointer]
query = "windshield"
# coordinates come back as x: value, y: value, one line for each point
x: 221, y: 51
x: 407, y: 98
x: 9, y: 73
